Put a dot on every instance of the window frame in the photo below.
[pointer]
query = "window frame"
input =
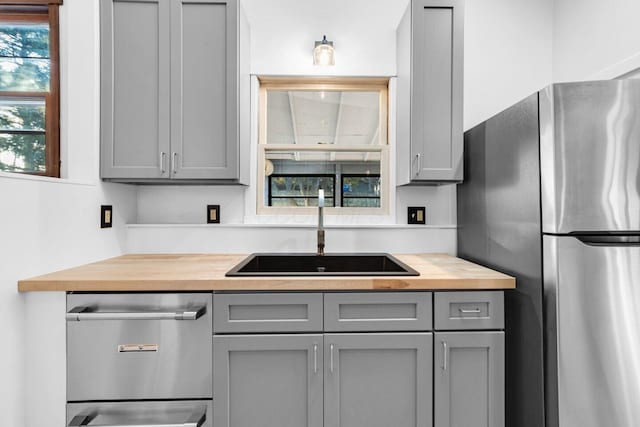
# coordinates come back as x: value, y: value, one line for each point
x: 327, y: 84
x: 41, y: 11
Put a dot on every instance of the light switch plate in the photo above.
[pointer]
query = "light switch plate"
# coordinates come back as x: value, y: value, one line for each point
x: 106, y: 216
x: 213, y: 214
x: 416, y: 215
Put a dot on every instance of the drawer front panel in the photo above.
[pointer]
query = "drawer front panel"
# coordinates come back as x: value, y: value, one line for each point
x: 171, y: 413
x: 242, y: 313
x: 469, y: 310
x: 393, y: 311
x: 138, y: 346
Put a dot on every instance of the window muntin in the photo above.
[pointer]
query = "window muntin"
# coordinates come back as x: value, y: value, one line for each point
x: 319, y: 127
x: 29, y: 89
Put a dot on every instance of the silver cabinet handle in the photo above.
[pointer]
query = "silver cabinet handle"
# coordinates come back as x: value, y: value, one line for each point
x: 162, y: 168
x: 331, y: 358
x: 419, y: 162
x: 195, y: 420
x: 444, y: 355
x: 85, y: 313
x: 315, y: 358
x: 465, y: 311
x: 174, y: 162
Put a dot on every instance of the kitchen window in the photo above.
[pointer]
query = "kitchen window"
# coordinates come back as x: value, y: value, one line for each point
x: 29, y: 87
x: 328, y: 133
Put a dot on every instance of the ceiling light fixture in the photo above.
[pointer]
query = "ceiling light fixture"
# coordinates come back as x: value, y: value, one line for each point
x: 323, y: 52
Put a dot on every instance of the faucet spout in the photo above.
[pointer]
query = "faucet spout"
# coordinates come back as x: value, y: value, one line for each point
x: 320, y: 233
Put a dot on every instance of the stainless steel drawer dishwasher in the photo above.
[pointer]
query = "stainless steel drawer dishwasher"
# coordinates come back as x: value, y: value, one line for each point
x: 139, y: 346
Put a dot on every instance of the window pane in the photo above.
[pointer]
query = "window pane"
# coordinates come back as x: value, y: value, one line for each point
x: 360, y: 186
x: 28, y: 114
x: 24, y: 57
x: 323, y: 117
x: 361, y: 203
x: 300, y: 185
x: 22, y: 152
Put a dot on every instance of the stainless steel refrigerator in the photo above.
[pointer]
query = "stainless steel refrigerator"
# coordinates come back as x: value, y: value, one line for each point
x: 551, y: 195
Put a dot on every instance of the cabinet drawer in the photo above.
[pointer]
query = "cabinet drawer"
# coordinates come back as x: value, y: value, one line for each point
x: 138, y: 346
x: 394, y: 311
x: 469, y: 310
x: 159, y: 413
x: 240, y: 313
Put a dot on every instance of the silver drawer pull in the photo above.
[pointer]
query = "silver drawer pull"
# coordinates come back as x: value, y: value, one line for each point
x: 85, y: 313
x: 137, y: 348
x: 465, y: 311
x: 195, y: 420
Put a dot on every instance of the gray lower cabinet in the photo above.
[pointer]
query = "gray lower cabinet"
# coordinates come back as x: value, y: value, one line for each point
x: 268, y: 380
x: 430, y: 66
x: 469, y: 379
x: 378, y: 380
x: 170, y: 90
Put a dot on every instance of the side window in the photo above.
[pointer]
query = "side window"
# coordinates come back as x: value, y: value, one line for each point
x: 29, y: 88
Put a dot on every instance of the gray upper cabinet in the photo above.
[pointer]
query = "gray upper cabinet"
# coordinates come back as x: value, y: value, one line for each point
x: 430, y: 60
x: 378, y: 380
x: 170, y: 90
x: 267, y: 380
x: 469, y: 379
x: 135, y: 95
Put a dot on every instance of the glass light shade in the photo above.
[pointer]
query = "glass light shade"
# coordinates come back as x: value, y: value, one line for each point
x: 323, y: 53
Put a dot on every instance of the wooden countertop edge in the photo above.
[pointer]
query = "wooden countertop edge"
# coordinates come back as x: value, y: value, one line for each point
x: 387, y: 283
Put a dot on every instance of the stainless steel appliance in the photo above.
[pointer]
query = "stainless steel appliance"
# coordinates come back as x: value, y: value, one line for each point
x: 131, y: 356
x: 552, y: 196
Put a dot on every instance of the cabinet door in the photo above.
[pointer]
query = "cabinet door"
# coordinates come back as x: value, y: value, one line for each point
x: 436, y: 92
x: 469, y: 379
x: 267, y: 380
x: 134, y: 89
x: 204, y: 89
x: 378, y: 380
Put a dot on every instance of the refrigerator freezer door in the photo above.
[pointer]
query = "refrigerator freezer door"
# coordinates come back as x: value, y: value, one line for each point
x: 592, y: 321
x: 590, y: 156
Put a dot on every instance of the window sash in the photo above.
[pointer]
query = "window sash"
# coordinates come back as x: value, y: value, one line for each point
x: 38, y: 11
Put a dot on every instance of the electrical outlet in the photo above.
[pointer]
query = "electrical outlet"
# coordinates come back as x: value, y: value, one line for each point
x: 106, y: 216
x: 416, y: 215
x: 213, y: 214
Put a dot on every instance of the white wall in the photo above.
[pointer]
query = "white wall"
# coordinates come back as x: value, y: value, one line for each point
x: 508, y: 54
x: 49, y: 224
x: 283, y: 34
x: 594, y: 39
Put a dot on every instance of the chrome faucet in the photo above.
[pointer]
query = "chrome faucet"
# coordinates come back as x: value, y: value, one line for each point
x: 320, y: 220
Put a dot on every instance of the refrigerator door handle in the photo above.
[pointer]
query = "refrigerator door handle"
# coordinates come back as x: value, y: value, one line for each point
x: 610, y: 239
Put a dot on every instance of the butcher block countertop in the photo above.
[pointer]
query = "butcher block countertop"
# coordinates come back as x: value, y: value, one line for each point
x: 200, y: 272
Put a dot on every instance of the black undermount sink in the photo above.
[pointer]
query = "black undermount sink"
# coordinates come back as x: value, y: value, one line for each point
x: 309, y: 264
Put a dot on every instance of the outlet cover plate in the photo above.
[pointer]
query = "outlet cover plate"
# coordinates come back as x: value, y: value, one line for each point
x: 213, y: 214
x: 416, y: 215
x: 106, y: 216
